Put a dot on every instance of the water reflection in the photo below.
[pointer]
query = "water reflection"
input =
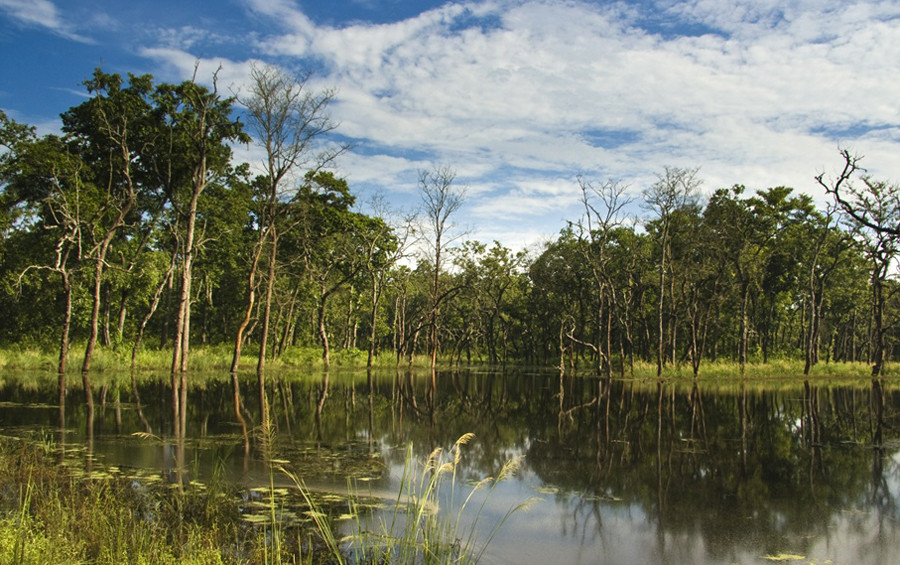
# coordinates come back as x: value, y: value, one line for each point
x: 630, y: 472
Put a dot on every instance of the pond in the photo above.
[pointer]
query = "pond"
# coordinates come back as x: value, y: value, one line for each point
x: 627, y: 472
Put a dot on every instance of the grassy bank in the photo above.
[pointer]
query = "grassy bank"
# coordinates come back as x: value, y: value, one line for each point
x: 218, y: 358
x: 202, y: 358
x: 50, y: 515
x: 56, y: 513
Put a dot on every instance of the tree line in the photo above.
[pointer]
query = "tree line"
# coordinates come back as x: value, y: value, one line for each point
x: 136, y: 227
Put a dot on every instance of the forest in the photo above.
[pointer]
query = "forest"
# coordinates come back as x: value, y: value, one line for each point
x: 135, y: 228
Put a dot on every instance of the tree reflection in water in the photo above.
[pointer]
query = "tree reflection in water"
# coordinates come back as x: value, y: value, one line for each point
x: 707, y: 472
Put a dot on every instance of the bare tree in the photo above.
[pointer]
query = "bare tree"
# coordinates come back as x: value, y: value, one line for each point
x: 441, y: 200
x: 198, y: 127
x: 387, y: 242
x: 288, y: 119
x: 603, y: 204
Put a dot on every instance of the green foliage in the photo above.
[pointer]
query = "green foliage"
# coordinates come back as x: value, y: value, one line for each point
x: 104, y: 218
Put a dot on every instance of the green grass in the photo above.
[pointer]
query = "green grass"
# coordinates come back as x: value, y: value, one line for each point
x: 775, y: 369
x: 217, y: 358
x: 202, y: 358
x: 50, y: 513
x: 416, y: 529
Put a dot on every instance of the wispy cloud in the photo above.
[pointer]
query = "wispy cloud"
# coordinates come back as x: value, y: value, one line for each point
x: 41, y: 13
x: 178, y: 64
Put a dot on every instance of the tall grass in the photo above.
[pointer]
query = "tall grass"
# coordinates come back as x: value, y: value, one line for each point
x: 217, y: 358
x: 61, y: 518
x: 773, y: 370
x: 416, y: 529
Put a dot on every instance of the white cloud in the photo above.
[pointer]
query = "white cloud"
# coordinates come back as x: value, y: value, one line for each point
x: 496, y: 88
x: 178, y: 64
x: 41, y: 13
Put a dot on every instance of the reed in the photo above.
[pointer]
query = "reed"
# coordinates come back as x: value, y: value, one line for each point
x: 417, y: 529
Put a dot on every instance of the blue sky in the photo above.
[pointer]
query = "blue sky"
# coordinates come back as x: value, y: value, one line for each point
x: 518, y: 96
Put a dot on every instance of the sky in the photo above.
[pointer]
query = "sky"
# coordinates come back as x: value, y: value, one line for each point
x: 521, y: 98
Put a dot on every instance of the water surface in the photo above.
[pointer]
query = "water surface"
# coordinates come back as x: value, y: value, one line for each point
x: 628, y: 472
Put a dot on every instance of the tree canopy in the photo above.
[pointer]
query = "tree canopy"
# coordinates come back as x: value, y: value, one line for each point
x: 135, y: 225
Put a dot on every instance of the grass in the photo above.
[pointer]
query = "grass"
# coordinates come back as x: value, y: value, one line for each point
x: 775, y: 369
x: 50, y: 514
x: 204, y: 358
x: 217, y: 358
x: 416, y: 529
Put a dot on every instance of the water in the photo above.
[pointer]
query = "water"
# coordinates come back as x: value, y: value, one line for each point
x: 627, y: 472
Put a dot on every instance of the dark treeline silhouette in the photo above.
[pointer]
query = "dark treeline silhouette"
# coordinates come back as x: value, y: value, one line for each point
x: 137, y: 228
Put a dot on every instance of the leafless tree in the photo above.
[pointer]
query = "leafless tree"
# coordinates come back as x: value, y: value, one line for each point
x: 603, y: 204
x: 288, y: 119
x: 441, y: 199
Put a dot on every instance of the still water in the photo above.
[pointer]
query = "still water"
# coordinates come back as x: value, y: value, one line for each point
x: 626, y: 472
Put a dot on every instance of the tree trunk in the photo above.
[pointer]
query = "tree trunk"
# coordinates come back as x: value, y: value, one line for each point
x: 95, y: 315
x: 64, y: 345
x: 877, y: 324
x: 267, y: 310
x: 251, y: 301
x: 182, y: 321
x: 435, y: 290
x: 372, y: 334
x: 323, y: 333
x: 743, y: 345
x: 660, y: 307
x: 154, y: 304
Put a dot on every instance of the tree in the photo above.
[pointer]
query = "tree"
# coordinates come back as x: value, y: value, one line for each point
x: 873, y: 210
x: 51, y: 181
x: 441, y: 200
x: 821, y: 259
x: 14, y: 137
x: 328, y: 242
x: 198, y: 126
x: 603, y: 204
x: 561, y: 292
x: 674, y: 189
x: 385, y: 246
x: 488, y: 275
x: 110, y: 132
x: 289, y: 120
x: 701, y: 268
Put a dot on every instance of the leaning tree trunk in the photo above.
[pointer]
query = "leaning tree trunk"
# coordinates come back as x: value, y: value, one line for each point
x: 248, y: 313
x: 154, y: 304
